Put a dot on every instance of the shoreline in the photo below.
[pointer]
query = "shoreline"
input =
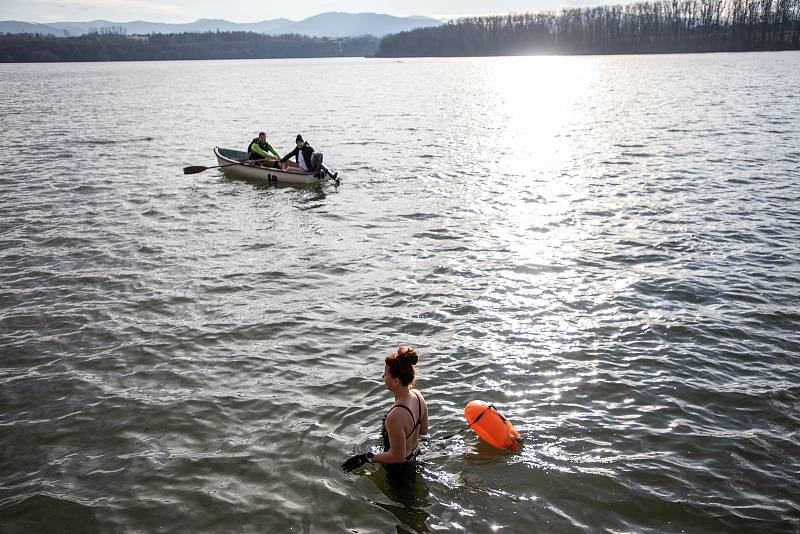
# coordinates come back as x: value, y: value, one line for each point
x: 564, y: 54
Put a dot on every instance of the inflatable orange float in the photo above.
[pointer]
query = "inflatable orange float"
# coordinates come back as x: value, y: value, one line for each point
x: 490, y: 426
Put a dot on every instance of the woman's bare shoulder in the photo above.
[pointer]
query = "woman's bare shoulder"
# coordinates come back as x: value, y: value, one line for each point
x: 396, y: 417
x: 421, y: 398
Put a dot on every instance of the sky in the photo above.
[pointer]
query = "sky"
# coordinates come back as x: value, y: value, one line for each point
x: 258, y: 10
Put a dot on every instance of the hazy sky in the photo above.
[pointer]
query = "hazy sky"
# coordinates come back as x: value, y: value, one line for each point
x: 257, y: 10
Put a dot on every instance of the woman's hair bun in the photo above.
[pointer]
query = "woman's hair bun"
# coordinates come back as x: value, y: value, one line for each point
x: 407, y: 355
x: 401, y: 364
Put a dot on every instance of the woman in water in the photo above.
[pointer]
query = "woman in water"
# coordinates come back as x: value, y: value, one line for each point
x: 407, y: 418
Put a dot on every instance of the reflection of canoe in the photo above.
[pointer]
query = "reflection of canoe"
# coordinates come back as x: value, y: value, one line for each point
x: 249, y: 170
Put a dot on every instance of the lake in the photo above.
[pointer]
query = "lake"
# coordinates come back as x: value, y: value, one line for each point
x: 605, y: 248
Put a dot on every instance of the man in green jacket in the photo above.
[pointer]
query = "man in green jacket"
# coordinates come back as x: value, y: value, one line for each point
x: 259, y: 148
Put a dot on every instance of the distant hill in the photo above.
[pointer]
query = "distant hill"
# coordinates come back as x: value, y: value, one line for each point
x: 140, y: 27
x: 16, y: 26
x: 323, y: 25
x: 351, y: 24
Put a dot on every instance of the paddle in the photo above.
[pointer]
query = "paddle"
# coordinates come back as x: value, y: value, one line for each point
x: 194, y: 169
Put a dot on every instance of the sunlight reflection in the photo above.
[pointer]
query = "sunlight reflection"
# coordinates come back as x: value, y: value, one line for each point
x: 542, y: 101
x: 540, y: 104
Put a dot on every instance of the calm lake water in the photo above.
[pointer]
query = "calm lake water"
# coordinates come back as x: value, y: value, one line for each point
x: 606, y: 248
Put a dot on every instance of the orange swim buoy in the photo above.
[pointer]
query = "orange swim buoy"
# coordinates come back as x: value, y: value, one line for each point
x: 490, y: 426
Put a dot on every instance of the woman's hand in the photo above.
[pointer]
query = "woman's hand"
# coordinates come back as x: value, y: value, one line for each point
x: 354, y: 462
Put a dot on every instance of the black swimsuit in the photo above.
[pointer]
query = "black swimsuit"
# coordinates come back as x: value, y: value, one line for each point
x: 385, y: 434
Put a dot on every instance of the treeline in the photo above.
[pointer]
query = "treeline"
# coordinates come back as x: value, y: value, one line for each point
x: 113, y: 46
x: 666, y: 26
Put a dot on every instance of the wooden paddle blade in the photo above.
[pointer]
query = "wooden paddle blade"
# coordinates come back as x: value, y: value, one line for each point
x: 194, y: 169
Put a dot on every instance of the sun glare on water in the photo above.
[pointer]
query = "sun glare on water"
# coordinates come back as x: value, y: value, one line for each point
x: 542, y: 110
x: 543, y: 103
x: 542, y: 107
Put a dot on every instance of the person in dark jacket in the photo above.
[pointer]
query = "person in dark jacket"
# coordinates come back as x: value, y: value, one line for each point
x: 307, y: 159
x: 259, y: 149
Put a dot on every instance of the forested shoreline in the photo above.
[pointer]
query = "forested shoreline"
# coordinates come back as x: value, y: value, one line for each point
x: 666, y: 26
x: 114, y: 46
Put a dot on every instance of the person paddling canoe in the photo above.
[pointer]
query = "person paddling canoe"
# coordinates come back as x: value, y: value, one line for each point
x: 407, y: 419
x: 259, y: 150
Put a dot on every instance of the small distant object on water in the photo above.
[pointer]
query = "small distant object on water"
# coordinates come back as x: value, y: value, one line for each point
x: 490, y: 426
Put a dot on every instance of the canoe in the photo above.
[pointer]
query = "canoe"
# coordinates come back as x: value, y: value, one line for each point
x: 236, y: 163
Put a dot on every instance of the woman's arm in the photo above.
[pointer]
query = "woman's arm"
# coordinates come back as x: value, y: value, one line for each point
x: 423, y: 417
x: 397, y: 441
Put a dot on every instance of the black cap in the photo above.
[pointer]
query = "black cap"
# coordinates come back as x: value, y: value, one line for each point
x: 298, y: 138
